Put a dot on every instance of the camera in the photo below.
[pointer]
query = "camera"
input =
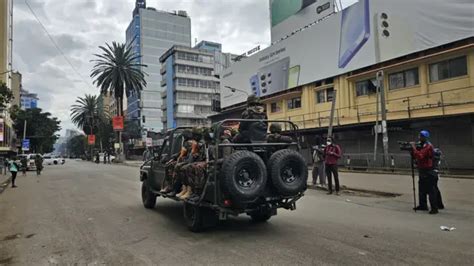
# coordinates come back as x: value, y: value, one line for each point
x: 404, y: 145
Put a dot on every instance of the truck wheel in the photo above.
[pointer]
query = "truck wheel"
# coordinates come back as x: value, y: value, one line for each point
x: 261, y: 216
x: 289, y: 172
x: 193, y: 215
x: 244, y: 175
x: 148, y: 198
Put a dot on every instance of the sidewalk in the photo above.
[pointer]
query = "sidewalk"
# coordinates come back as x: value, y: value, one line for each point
x: 133, y: 163
x: 4, y: 181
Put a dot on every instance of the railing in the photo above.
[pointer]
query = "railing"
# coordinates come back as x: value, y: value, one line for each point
x: 423, y: 105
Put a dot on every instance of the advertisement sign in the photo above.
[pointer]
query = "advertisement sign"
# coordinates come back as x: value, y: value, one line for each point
x: 25, y: 145
x: 91, y: 139
x: 2, y: 130
x: 287, y: 16
x: 117, y: 122
x: 366, y: 33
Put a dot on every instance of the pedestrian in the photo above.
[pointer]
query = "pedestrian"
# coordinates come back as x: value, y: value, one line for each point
x: 318, y: 166
x: 39, y: 164
x: 105, y: 157
x: 108, y: 157
x: 332, y: 153
x: 423, y: 152
x: 24, y: 164
x: 13, y: 170
x: 97, y: 158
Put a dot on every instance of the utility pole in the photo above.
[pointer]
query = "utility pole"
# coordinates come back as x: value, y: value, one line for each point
x: 24, y: 136
x: 377, y: 112
x: 331, y: 118
x: 380, y: 78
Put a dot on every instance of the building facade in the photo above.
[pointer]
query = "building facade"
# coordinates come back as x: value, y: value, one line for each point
x: 16, y: 88
x: 28, y: 100
x: 7, y: 134
x: 151, y: 33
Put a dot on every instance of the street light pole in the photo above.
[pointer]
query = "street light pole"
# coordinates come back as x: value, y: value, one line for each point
x: 232, y: 89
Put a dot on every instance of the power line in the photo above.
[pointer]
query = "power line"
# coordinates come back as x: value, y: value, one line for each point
x: 56, y: 45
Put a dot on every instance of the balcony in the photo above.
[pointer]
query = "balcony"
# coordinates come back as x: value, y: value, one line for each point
x: 193, y: 102
x: 194, y: 76
x: 163, y: 82
x: 163, y: 69
x: 194, y: 89
x: 191, y: 115
x: 193, y: 63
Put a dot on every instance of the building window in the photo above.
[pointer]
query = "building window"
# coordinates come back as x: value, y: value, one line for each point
x: 275, y: 107
x: 447, y: 69
x: 321, y: 96
x: 294, y: 103
x: 403, y: 79
x: 325, y: 95
x: 366, y: 87
x: 183, y: 108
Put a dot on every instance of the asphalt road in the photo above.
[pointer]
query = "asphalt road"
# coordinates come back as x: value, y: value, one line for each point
x: 92, y: 214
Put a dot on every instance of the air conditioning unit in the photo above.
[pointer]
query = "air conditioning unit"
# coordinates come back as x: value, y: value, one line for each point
x: 182, y: 13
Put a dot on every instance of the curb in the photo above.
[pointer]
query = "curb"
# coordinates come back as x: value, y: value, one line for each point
x: 5, y: 184
x: 345, y: 188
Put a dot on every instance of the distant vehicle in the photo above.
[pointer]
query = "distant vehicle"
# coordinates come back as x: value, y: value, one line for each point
x: 53, y: 160
x: 101, y: 157
x: 31, y: 166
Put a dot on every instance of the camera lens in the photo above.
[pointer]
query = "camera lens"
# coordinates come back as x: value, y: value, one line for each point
x: 385, y: 24
x: 386, y: 33
x: 384, y: 16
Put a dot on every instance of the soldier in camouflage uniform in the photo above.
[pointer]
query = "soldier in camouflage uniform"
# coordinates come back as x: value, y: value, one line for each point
x: 188, y: 149
x: 185, y: 173
x: 252, y: 130
x: 275, y: 135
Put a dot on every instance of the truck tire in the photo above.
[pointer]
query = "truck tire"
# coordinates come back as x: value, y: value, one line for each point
x: 199, y: 218
x: 244, y: 175
x: 148, y: 197
x: 289, y: 172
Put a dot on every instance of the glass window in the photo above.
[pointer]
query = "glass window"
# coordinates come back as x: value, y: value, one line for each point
x: 321, y: 96
x: 294, y: 103
x: 329, y: 94
x: 366, y: 87
x: 403, y: 79
x: 275, y: 107
x: 447, y: 69
x: 183, y: 108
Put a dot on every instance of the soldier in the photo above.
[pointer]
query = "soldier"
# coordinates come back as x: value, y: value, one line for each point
x: 252, y: 130
x: 192, y: 154
x: 275, y: 135
x: 189, y: 145
x: 225, y: 139
x: 196, y: 171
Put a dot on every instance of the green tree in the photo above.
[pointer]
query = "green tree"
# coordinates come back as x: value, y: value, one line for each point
x: 118, y: 70
x: 41, y: 128
x: 86, y: 114
x: 6, y: 95
x: 77, y: 146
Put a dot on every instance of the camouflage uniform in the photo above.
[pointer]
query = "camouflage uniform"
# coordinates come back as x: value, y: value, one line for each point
x: 195, y: 172
x: 276, y: 137
x: 252, y: 130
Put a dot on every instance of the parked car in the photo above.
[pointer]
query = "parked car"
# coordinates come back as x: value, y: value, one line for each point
x: 256, y: 179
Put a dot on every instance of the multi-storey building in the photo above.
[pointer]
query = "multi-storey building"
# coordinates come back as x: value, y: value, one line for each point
x: 16, y: 88
x: 28, y: 100
x: 151, y: 33
x: 7, y: 135
x: 189, y: 86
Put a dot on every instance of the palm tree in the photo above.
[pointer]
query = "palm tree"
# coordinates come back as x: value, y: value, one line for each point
x: 118, y: 70
x: 84, y: 111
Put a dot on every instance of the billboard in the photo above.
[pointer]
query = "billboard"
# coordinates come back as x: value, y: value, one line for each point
x: 286, y: 16
x: 2, y: 130
x: 366, y: 33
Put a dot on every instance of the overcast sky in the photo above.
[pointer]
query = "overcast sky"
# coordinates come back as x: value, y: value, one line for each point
x: 80, y: 26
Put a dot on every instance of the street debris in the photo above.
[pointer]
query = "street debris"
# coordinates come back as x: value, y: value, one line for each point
x: 362, y: 253
x: 367, y: 236
x: 348, y: 200
x: 447, y: 228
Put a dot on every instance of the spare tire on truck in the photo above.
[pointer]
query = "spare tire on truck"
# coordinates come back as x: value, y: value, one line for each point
x: 244, y: 175
x: 289, y: 172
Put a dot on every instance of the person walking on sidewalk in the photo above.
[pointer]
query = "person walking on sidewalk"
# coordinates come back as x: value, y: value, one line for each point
x: 24, y: 165
x: 428, y: 179
x: 332, y: 153
x: 13, y: 166
x: 318, y: 165
x: 38, y: 164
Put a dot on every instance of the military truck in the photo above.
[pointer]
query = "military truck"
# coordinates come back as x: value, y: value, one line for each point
x: 256, y: 179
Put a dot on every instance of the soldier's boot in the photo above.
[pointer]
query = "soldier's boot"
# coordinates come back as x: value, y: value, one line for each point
x: 189, y: 192
x: 183, y: 191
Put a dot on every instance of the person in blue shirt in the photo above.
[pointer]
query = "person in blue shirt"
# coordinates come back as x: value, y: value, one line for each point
x: 13, y: 170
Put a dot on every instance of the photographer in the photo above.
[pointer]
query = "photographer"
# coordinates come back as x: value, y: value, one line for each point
x: 423, y: 154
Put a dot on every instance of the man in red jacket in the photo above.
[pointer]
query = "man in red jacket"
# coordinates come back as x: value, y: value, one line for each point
x: 427, y: 182
x: 332, y: 153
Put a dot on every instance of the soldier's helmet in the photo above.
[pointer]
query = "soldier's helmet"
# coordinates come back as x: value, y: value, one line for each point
x: 253, y: 100
x: 275, y: 128
x: 197, y: 133
x: 187, y: 134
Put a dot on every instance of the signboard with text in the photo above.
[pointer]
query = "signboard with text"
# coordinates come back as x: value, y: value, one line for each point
x: 91, y: 139
x: 117, y: 122
x: 25, y: 145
